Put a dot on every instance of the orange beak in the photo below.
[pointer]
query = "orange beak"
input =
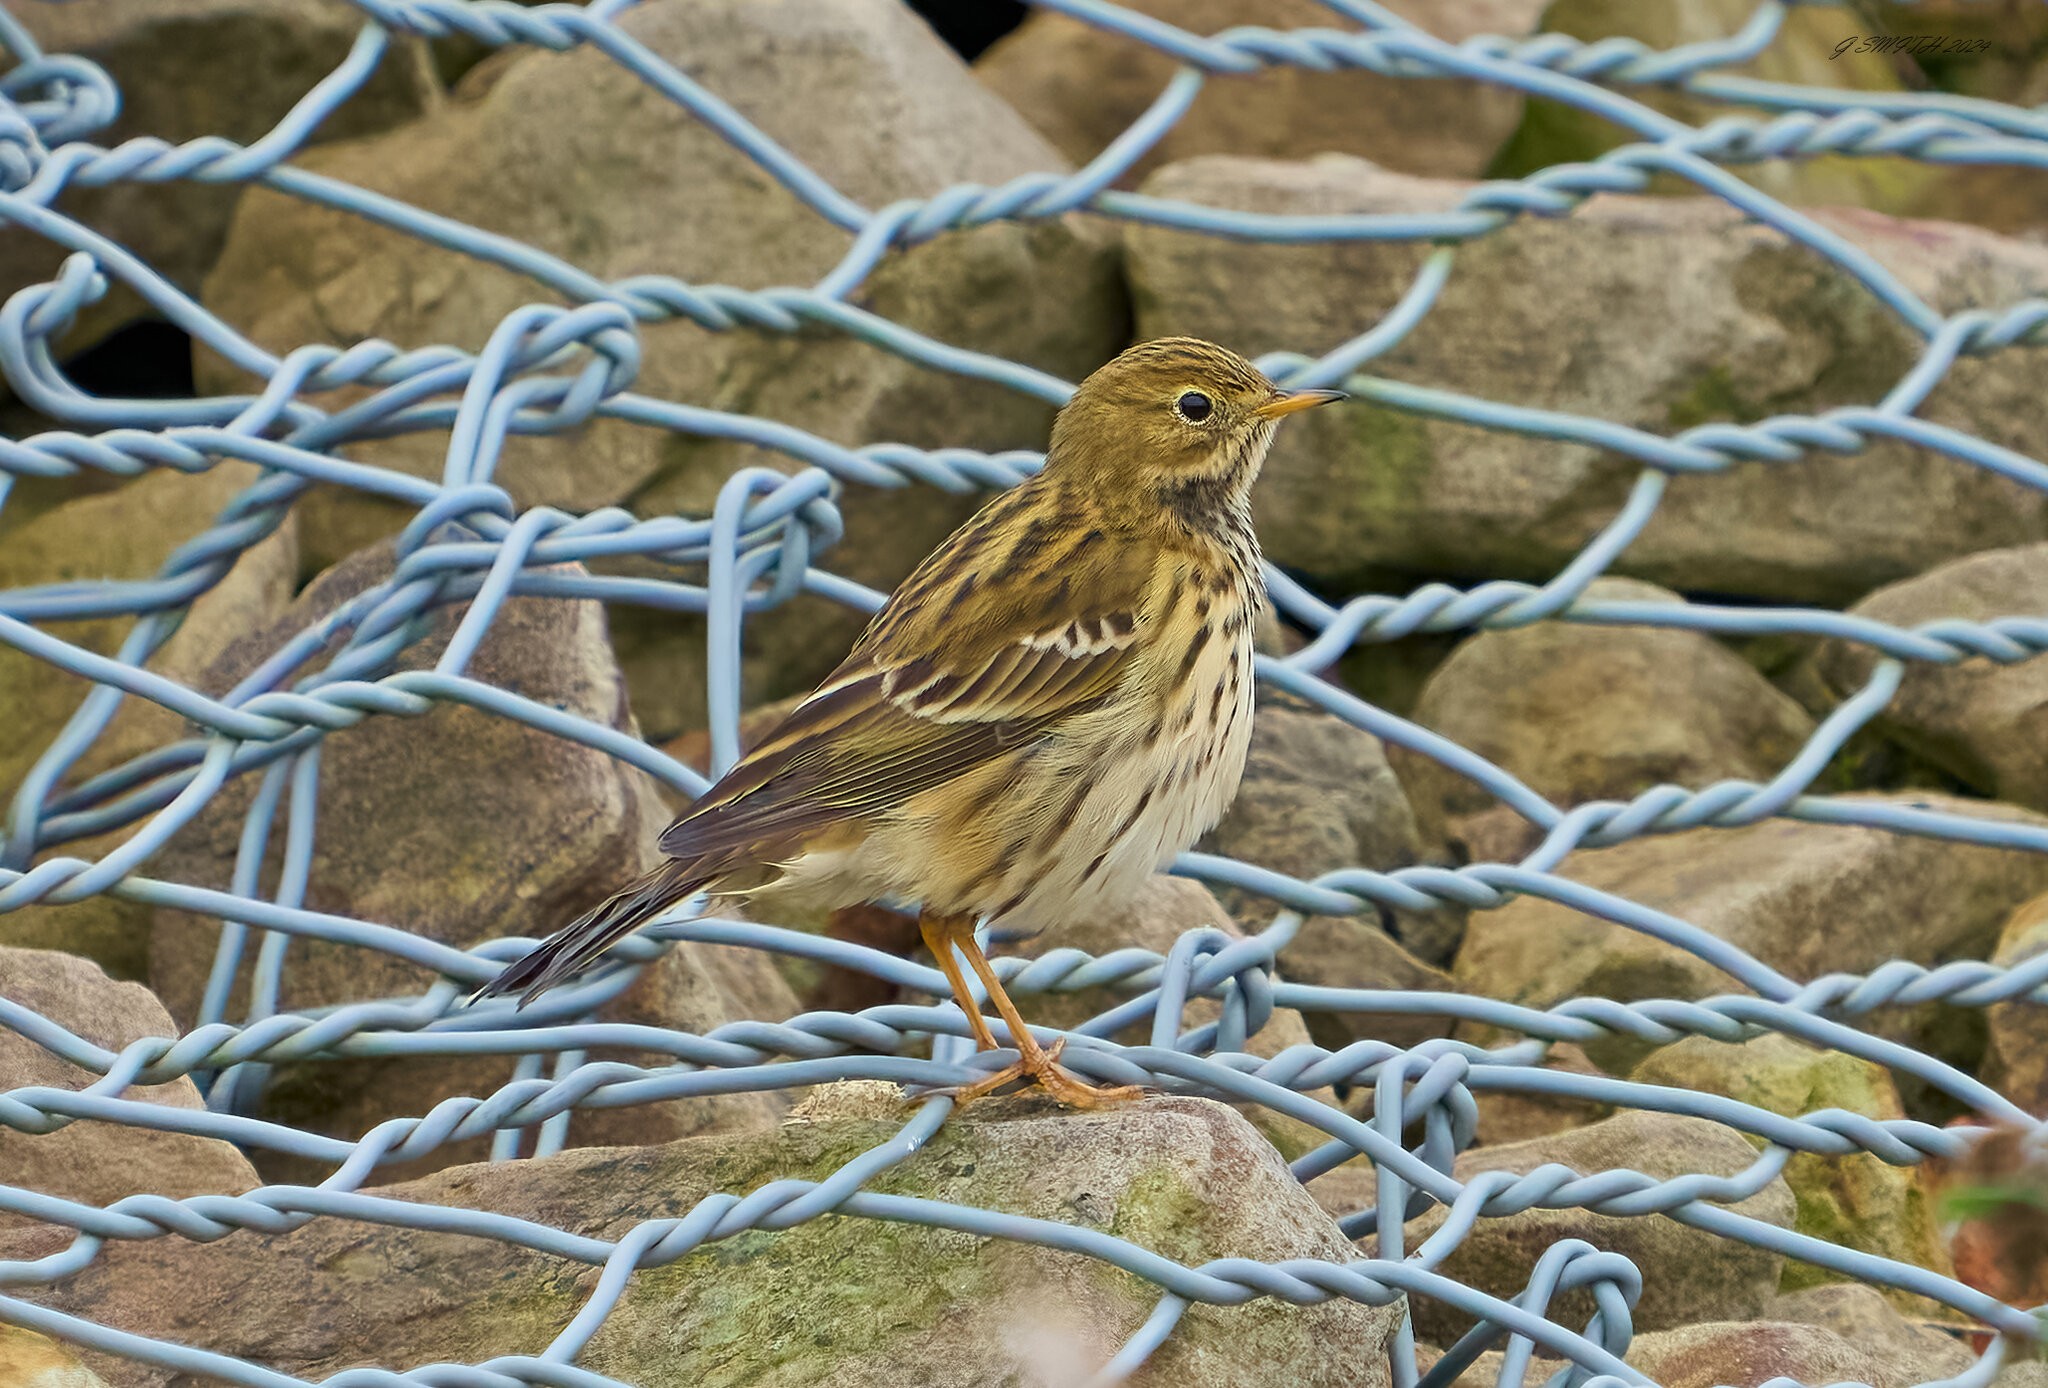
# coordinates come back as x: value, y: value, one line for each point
x: 1288, y: 401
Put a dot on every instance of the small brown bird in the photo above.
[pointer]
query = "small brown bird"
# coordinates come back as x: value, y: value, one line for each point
x: 1051, y: 707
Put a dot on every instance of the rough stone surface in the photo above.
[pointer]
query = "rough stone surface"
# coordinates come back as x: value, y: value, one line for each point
x: 1655, y: 312
x: 1353, y: 952
x: 1741, y: 1353
x: 1507, y: 1117
x: 29, y: 1360
x: 1391, y: 674
x: 1166, y: 908
x: 192, y: 68
x: 1855, y: 1202
x: 1982, y: 722
x: 93, y: 1162
x: 1687, y: 1273
x: 575, y: 155
x: 1861, y: 1315
x: 1083, y: 86
x: 1318, y: 794
x: 1806, y: 899
x: 126, y: 533
x: 459, y: 826
x: 849, y: 1301
x: 2017, y: 1062
x: 1580, y: 712
x: 1802, y: 53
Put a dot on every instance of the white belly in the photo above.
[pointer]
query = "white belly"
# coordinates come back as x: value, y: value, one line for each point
x: 1141, y: 802
x: 1191, y: 774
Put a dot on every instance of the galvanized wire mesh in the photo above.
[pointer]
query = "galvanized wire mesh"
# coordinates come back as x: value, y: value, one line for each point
x: 550, y: 368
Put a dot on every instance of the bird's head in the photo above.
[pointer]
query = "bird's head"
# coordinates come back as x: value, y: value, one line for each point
x: 1173, y: 413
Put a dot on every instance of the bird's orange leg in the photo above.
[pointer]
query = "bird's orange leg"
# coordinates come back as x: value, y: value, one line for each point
x: 938, y: 939
x: 1034, y: 1062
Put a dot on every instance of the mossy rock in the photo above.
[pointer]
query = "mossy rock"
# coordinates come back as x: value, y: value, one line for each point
x: 844, y: 1299
x: 1859, y: 1201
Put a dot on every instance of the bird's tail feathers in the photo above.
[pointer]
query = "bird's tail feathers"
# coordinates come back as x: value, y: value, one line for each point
x: 580, y: 942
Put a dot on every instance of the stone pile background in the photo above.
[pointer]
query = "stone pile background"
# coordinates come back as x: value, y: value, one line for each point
x: 439, y: 433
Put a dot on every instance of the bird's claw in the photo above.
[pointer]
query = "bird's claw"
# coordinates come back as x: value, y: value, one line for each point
x: 1059, y: 1083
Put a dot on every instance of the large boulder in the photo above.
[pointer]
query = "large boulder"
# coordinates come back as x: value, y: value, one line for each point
x: 1319, y: 794
x: 852, y: 1301
x: 1354, y: 952
x: 1861, y: 1314
x: 1582, y: 712
x: 574, y: 154
x: 1083, y: 86
x: 1659, y: 313
x: 1806, y: 899
x: 1511, y: 1115
x: 124, y: 534
x: 1816, y: 48
x: 1688, y: 1273
x: 1858, y: 1202
x: 2017, y: 1061
x: 460, y: 826
x: 88, y: 1160
x: 1983, y: 722
x: 188, y: 69
x: 1748, y: 1353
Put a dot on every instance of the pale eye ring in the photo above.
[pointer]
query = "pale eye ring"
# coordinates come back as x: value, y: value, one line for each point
x: 1193, y: 406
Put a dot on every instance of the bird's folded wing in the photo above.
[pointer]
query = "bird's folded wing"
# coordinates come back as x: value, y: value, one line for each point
x: 884, y: 728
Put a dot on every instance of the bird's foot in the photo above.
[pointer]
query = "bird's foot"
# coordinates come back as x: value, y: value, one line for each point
x: 1059, y: 1083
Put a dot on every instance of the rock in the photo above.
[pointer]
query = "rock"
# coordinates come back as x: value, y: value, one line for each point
x: 1084, y: 86
x: 2006, y: 68
x: 173, y: 60
x: 1687, y: 1273
x: 459, y: 826
x: 94, y: 1162
x: 1855, y: 1202
x: 862, y: 93
x: 1659, y: 313
x: 123, y: 534
x: 1984, y: 723
x: 1317, y: 795
x: 1861, y: 1315
x: 1750, y: 1353
x: 1164, y: 910
x: 1390, y: 674
x: 1581, y: 712
x: 2017, y: 1062
x: 1803, y: 53
x: 1353, y: 952
x: 29, y: 1360
x: 1806, y: 899
x: 854, y: 1300
x: 1506, y: 1116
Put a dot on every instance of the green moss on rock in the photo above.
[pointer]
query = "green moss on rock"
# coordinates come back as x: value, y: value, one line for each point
x: 1857, y: 1201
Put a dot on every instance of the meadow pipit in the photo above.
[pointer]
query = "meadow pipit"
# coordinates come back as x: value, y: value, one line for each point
x: 1050, y: 708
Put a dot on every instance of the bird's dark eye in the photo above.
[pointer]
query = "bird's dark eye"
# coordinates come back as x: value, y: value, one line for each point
x: 1193, y: 406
